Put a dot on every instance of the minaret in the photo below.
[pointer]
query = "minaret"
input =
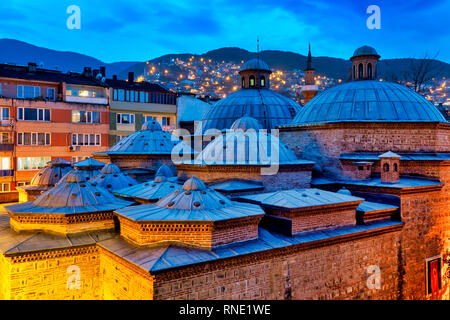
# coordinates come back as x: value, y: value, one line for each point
x: 310, y: 89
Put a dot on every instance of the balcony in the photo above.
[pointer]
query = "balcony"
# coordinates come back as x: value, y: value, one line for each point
x: 6, y: 122
x: 78, y: 99
x: 6, y: 173
x: 6, y: 146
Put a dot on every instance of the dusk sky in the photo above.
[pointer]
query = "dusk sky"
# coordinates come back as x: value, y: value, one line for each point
x: 133, y: 30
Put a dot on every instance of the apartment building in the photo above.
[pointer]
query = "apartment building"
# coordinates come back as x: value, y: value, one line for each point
x: 46, y: 114
x: 134, y: 102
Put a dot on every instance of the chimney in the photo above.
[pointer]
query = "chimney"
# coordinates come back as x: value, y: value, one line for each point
x: 95, y: 73
x: 130, y: 77
x: 390, y: 167
x: 114, y: 76
x: 32, y: 67
x: 103, y: 71
x: 87, y: 72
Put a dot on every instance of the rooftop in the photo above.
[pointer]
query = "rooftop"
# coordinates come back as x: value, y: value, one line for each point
x: 368, y: 101
x: 300, y: 198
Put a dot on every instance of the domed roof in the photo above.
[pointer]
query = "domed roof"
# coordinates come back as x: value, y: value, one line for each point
x: 246, y: 148
x: 49, y: 175
x: 112, y: 178
x: 194, y: 202
x: 255, y: 64
x: 365, y: 51
x: 246, y: 123
x: 59, y: 162
x: 368, y: 100
x: 164, y: 170
x: 150, y: 191
x: 151, y: 125
x: 74, y: 195
x: 150, y: 140
x: 88, y: 164
x: 268, y: 107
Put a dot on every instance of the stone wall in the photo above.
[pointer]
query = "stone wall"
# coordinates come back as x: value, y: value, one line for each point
x: 337, y: 271
x: 325, y: 143
x: 122, y: 280
x: 44, y: 275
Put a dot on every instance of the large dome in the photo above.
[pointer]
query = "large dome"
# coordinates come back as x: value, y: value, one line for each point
x: 369, y: 101
x: 270, y: 108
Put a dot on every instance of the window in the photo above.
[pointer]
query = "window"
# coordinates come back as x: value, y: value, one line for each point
x: 386, y: 167
x: 149, y: 118
x: 360, y: 71
x: 165, y: 121
x: 5, y: 138
x: 85, y: 117
x: 243, y: 82
x: 33, y: 139
x: 32, y: 163
x: 51, y: 93
x: 5, y: 163
x: 85, y: 139
x: 121, y: 95
x: 23, y: 183
x: 115, y: 94
x: 369, y: 71
x: 78, y: 159
x: 433, y: 275
x: 395, y: 167
x: 252, y: 81
x: 33, y: 114
x: 4, y: 187
x: 28, y: 92
x: 4, y: 113
x: 354, y: 72
x: 262, y: 81
x: 125, y: 118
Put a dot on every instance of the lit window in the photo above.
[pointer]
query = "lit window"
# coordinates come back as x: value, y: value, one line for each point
x: 263, y: 81
x: 252, y: 81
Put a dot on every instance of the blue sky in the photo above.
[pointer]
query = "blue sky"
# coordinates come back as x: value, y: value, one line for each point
x: 116, y: 30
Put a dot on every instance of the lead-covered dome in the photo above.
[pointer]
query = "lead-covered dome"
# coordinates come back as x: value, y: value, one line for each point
x: 255, y: 64
x: 369, y: 100
x: 111, y: 178
x: 268, y: 107
x: 365, y: 51
x: 238, y: 147
x: 51, y: 173
x: 73, y: 195
x: 151, y: 139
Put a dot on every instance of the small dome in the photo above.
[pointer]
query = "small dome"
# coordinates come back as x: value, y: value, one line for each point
x: 365, y: 51
x: 49, y: 175
x: 76, y: 195
x: 110, y: 168
x: 152, y: 125
x: 74, y: 176
x: 255, y: 64
x: 159, y: 179
x: 244, y: 148
x: 164, y: 170
x: 345, y: 191
x: 112, y: 178
x: 88, y: 163
x: 371, y: 101
x: 194, y: 184
x: 150, y: 191
x: 59, y: 162
x: 150, y: 140
x: 246, y: 123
